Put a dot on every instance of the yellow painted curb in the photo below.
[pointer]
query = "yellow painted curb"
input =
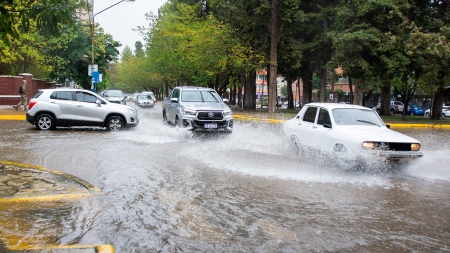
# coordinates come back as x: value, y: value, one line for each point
x: 46, y: 198
x: 82, y: 182
x: 12, y: 117
x: 97, y: 248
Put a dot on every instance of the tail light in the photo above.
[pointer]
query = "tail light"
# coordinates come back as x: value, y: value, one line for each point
x: 32, y: 103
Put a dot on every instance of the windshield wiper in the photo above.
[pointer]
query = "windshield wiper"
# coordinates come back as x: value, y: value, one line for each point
x: 368, y: 122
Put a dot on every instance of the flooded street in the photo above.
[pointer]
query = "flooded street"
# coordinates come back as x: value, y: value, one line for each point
x: 168, y: 190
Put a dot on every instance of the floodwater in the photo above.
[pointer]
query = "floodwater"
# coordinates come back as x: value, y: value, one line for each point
x: 167, y: 190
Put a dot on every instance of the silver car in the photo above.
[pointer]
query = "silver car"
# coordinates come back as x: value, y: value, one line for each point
x: 50, y: 108
x: 143, y: 100
x: 197, y: 109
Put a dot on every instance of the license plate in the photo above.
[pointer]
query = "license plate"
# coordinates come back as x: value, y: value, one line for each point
x: 210, y: 125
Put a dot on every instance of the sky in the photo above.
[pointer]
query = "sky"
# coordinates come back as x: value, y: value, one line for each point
x: 120, y: 20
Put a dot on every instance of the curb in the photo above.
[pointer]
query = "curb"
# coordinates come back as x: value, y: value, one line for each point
x: 63, y: 188
x: 20, y: 117
x: 393, y: 125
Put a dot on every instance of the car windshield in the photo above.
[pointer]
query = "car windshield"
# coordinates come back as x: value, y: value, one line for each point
x: 114, y: 93
x: 200, y: 96
x: 353, y: 116
x: 144, y: 97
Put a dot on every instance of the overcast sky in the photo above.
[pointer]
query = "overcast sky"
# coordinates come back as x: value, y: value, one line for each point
x: 120, y: 20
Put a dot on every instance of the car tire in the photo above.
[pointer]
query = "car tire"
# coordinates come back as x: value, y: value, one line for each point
x: 114, y: 123
x: 427, y: 114
x: 177, y: 122
x: 392, y: 112
x: 164, y: 116
x: 45, y: 122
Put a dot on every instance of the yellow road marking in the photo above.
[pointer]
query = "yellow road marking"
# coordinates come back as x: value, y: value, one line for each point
x: 48, y: 198
x: 12, y: 117
x: 99, y: 248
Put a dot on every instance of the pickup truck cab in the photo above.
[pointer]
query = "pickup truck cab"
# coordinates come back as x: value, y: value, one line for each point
x: 197, y: 109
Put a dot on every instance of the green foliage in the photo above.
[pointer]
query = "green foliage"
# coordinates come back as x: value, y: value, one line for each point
x: 45, y: 16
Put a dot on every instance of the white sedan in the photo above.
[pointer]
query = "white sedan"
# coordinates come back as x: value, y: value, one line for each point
x: 349, y: 131
x: 445, y: 112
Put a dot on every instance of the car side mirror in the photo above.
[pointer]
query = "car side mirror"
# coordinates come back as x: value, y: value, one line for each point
x: 388, y: 126
x: 98, y: 102
x: 174, y: 100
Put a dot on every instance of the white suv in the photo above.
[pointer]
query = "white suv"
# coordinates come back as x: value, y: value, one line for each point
x: 50, y: 108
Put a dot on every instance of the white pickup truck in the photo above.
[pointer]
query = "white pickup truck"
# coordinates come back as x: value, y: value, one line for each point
x: 197, y: 109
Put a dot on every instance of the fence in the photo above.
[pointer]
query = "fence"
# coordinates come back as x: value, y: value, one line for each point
x: 9, y: 87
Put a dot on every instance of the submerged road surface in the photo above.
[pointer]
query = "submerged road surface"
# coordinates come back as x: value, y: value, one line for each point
x: 167, y: 190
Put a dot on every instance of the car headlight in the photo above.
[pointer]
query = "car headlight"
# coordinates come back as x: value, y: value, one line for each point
x: 227, y: 112
x: 415, y: 147
x: 369, y: 145
x: 188, y: 112
x: 132, y: 111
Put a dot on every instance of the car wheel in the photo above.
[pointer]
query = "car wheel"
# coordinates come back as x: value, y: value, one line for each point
x: 45, y: 122
x: 392, y: 112
x: 164, y: 116
x: 177, y: 122
x: 427, y: 114
x: 114, y: 123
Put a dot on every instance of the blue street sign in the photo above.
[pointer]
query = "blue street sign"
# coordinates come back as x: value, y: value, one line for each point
x: 95, y: 76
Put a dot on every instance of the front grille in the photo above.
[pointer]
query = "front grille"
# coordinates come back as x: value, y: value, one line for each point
x: 205, y: 115
x: 394, y: 146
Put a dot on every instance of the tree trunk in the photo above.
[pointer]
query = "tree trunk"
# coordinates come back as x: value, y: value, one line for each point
x: 289, y: 93
x: 273, y: 55
x: 359, y: 84
x: 332, y: 81
x: 323, y: 85
x: 385, y: 104
x: 350, y: 87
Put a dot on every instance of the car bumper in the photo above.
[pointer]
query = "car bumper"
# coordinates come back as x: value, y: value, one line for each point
x: 30, y: 118
x: 400, y: 156
x: 145, y: 105
x: 225, y: 125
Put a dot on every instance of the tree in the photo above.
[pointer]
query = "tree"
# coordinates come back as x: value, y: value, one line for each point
x: 47, y: 16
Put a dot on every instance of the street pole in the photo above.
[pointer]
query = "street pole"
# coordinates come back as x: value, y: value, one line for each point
x: 91, y: 18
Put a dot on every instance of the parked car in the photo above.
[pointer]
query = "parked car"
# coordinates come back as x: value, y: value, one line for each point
x: 396, y: 107
x: 115, y: 96
x: 415, y: 110
x: 50, y: 108
x: 197, y: 109
x: 350, y: 132
x: 144, y: 101
x: 445, y: 112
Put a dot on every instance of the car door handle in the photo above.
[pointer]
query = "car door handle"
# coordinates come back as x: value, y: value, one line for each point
x: 79, y: 106
x: 314, y: 127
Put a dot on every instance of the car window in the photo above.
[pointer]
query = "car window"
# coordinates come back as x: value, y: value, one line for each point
x: 310, y: 114
x: 324, y: 117
x: 353, y: 116
x: 85, y: 97
x: 175, y: 93
x: 62, y: 95
x: 113, y: 93
x: 38, y: 94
